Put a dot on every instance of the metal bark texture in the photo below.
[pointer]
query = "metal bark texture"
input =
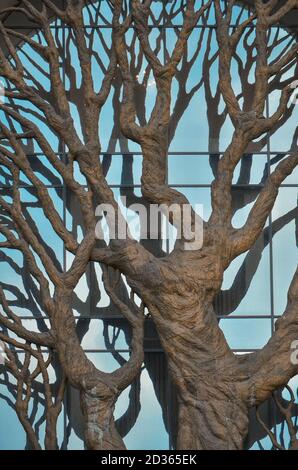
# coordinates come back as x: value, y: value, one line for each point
x: 178, y: 291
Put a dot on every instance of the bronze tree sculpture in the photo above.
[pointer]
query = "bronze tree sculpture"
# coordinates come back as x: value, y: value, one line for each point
x: 180, y: 291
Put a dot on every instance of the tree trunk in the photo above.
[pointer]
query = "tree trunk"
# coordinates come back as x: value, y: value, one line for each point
x: 212, y: 424
x: 99, y: 391
x: 100, y: 429
x: 51, y: 442
x: 212, y: 415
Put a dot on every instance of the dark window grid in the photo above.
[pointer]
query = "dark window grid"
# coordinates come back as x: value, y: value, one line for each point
x: 163, y: 18
x: 109, y: 26
x: 120, y: 317
x: 167, y: 173
x: 171, y: 153
x: 268, y: 152
x: 270, y: 233
x: 64, y: 157
x: 274, y: 410
x: 128, y: 350
x: 268, y: 147
x: 138, y: 186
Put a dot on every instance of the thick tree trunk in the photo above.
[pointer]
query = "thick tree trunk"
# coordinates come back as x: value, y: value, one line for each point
x: 212, y: 413
x: 213, y: 424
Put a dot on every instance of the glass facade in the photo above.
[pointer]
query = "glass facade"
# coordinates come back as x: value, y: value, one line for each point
x: 255, y: 285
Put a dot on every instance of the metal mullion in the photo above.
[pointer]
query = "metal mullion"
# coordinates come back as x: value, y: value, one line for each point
x: 170, y: 153
x: 191, y: 185
x: 208, y: 185
x: 270, y: 228
x: 167, y: 161
x: 23, y: 186
x: 40, y: 154
x: 250, y: 317
x: 207, y: 153
x: 127, y: 351
x: 138, y: 186
x: 167, y: 180
x: 120, y: 317
x: 64, y: 214
x: 187, y: 153
x: 273, y: 411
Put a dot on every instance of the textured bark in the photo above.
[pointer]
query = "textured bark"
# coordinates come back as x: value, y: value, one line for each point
x: 215, y: 387
x: 218, y: 425
x: 99, y: 391
x: 213, y: 413
x: 98, y: 407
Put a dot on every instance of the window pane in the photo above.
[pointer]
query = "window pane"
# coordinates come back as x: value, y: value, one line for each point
x: 285, y: 253
x: 246, y: 284
x: 246, y: 333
